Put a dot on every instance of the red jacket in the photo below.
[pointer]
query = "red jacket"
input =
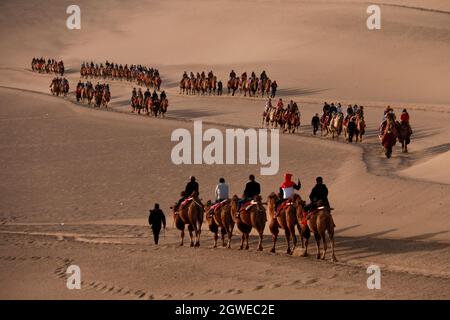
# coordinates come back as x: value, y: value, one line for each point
x: 404, y: 117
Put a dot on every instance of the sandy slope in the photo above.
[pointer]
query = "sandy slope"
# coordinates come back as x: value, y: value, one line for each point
x: 99, y: 172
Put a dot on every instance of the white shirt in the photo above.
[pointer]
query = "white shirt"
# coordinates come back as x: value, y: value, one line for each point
x: 288, y: 192
x: 222, y: 191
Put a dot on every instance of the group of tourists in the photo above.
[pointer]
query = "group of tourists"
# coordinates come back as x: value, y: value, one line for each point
x: 149, y: 102
x: 391, y: 130
x: 42, y: 65
x: 285, y: 210
x: 59, y: 86
x: 278, y: 116
x: 142, y: 75
x: 333, y: 121
x: 200, y: 84
x: 252, y: 85
x: 99, y: 94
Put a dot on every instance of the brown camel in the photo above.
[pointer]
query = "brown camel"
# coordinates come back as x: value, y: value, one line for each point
x: 253, y: 217
x: 286, y: 219
x: 319, y: 222
x: 192, y: 216
x: 220, y: 219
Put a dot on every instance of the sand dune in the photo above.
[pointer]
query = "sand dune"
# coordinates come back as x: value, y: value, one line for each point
x: 78, y: 183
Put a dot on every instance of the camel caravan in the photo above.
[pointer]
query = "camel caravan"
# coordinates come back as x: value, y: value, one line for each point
x: 392, y: 130
x: 286, y: 119
x: 47, y: 66
x: 286, y: 211
x: 149, y: 103
x: 59, y: 87
x: 252, y: 86
x: 99, y: 96
x: 200, y: 84
x: 142, y: 75
x: 333, y: 122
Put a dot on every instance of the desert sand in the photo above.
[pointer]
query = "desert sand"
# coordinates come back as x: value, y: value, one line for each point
x: 77, y: 183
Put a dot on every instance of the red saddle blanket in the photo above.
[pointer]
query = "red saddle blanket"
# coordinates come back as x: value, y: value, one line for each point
x: 217, y: 206
x: 185, y: 202
x: 244, y: 206
x: 283, y: 205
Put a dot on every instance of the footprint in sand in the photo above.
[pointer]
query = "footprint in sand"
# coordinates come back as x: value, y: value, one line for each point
x: 238, y: 291
x: 310, y: 281
x: 188, y: 294
x: 258, y: 287
x: 293, y: 283
x: 274, y: 285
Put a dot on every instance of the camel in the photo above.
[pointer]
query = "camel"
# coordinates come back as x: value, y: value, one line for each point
x: 360, y: 128
x: 233, y: 85
x: 292, y: 122
x: 253, y: 217
x: 319, y: 223
x: 404, y: 135
x: 389, y: 136
x: 106, y: 98
x: 335, y: 126
x: 221, y: 219
x: 286, y: 219
x: 192, y: 216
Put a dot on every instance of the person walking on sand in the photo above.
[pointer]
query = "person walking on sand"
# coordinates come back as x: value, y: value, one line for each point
x: 155, y: 219
x: 315, y: 122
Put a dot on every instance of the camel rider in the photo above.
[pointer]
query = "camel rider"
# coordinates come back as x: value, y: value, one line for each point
x: 280, y: 105
x: 253, y: 76
x: 287, y: 190
x: 339, y: 108
x: 154, y: 95
x: 191, y: 186
x: 318, y: 193
x: 349, y: 110
x: 333, y: 108
x: 268, y: 106
x: 361, y: 112
x: 163, y: 95
x: 141, y: 96
x: 383, y: 123
x: 404, y: 120
x: 221, y: 191
x: 232, y: 74
x: 185, y: 75
x: 147, y: 94
x: 252, y: 189
x: 263, y: 75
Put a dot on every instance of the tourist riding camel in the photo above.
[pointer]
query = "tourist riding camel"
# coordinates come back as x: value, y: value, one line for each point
x: 287, y: 190
x: 252, y: 189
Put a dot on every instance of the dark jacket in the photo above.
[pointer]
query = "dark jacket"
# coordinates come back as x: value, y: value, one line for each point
x: 155, y: 219
x: 315, y: 121
x: 252, y: 188
x: 319, y: 192
x: 191, y: 187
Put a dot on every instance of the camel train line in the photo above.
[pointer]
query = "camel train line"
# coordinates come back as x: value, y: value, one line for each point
x: 149, y: 103
x: 143, y: 76
x: 100, y: 95
x: 42, y: 65
x: 287, y: 120
x: 59, y: 86
x: 202, y: 84
x: 290, y: 216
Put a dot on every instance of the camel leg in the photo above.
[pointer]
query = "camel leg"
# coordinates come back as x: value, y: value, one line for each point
x: 223, y: 232
x: 242, y: 242
x: 274, y: 230
x: 182, y: 237
x: 247, y: 236
x: 230, y: 234
x: 191, y: 236
x: 288, y: 240
x: 324, y: 240
x: 216, y: 237
x: 294, y: 238
x: 260, y: 247
x: 198, y: 231
x: 318, y: 244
